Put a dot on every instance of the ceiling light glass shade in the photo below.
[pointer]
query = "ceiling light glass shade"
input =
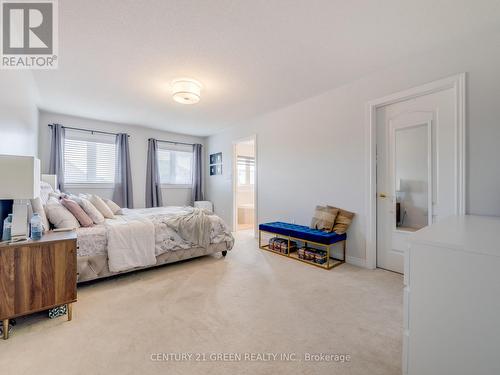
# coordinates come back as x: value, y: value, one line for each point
x: 186, y: 90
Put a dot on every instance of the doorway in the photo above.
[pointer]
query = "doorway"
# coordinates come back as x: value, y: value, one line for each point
x: 416, y: 164
x: 244, y: 184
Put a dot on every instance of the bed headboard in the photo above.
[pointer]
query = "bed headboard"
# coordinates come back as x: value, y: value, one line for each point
x: 51, y: 179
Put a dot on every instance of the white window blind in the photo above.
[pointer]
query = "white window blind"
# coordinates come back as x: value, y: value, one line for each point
x: 246, y: 170
x: 175, y: 164
x: 89, y: 158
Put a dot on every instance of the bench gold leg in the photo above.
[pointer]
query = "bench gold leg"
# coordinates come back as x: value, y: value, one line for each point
x: 6, y: 329
x: 70, y: 311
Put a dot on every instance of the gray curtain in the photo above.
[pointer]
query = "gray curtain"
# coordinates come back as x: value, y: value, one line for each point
x: 153, y: 186
x: 122, y: 194
x: 56, y: 165
x: 197, y: 190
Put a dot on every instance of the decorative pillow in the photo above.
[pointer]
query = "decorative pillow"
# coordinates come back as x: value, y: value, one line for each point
x: 117, y: 210
x: 59, y: 215
x: 75, y: 198
x: 324, y: 218
x: 77, y: 212
x: 45, y: 190
x: 37, y: 206
x: 90, y: 210
x: 102, y: 207
x: 55, y: 195
x: 342, y: 222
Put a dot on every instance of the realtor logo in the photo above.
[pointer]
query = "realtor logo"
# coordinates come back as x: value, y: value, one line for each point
x: 29, y: 34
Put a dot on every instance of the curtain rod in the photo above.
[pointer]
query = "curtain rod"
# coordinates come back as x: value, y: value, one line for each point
x: 87, y: 130
x: 175, y: 143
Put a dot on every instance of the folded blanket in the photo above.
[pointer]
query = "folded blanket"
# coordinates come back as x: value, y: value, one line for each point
x: 131, y: 243
x: 194, y: 227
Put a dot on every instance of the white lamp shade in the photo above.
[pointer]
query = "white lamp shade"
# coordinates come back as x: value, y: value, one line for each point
x: 186, y: 90
x: 19, y: 177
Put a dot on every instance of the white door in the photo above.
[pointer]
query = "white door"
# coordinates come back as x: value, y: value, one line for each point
x: 416, y: 171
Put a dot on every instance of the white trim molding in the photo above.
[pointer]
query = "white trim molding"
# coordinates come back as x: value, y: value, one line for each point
x: 458, y: 84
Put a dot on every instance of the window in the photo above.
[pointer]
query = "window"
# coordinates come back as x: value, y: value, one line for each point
x: 175, y: 164
x: 246, y: 170
x: 89, y: 158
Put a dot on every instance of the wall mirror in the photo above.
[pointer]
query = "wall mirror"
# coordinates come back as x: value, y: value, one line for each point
x: 412, y: 177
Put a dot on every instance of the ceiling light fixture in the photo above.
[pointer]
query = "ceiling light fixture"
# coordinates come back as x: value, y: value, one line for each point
x: 186, y: 90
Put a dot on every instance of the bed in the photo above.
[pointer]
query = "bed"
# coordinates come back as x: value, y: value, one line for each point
x: 169, y: 246
x: 148, y: 237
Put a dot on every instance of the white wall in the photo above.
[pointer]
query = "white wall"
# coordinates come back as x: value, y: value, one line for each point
x: 18, y: 113
x: 138, y: 153
x: 313, y: 152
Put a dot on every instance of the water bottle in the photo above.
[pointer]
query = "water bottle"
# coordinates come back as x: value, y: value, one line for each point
x: 7, y: 227
x: 36, y: 227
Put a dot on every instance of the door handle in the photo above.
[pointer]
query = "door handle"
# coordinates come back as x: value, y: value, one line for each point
x: 382, y: 195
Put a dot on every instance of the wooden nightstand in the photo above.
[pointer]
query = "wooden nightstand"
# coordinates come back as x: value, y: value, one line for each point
x: 37, y: 276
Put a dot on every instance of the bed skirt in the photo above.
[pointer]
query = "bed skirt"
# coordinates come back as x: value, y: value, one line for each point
x: 96, y: 266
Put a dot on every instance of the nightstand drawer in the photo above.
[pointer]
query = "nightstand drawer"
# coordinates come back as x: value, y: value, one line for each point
x: 36, y: 277
x: 44, y: 276
x: 6, y: 282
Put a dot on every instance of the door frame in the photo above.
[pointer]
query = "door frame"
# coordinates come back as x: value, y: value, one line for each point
x: 253, y: 138
x: 458, y: 84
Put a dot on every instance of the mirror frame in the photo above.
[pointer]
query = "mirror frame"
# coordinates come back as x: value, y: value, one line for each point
x: 392, y: 160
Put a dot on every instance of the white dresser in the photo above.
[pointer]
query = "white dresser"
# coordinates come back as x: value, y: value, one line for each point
x: 452, y: 298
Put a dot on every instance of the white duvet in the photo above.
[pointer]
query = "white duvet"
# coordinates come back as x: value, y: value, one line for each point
x: 131, y: 248
x: 131, y: 242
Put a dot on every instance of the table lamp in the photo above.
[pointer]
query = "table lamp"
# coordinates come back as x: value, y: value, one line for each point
x: 20, y: 181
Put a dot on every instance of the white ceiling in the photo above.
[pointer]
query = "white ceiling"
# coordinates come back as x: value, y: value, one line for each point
x: 117, y: 57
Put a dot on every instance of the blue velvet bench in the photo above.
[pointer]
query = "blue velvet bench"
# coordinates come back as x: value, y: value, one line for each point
x: 306, y: 235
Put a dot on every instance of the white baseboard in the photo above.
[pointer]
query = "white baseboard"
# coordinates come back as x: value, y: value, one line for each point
x: 356, y: 261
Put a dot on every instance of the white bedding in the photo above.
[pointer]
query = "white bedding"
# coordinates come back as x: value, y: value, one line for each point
x: 94, y: 240
x: 131, y: 242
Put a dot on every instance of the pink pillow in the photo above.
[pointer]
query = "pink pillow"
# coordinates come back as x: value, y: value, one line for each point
x: 77, y: 212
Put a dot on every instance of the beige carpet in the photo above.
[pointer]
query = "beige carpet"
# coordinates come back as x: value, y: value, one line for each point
x: 249, y: 302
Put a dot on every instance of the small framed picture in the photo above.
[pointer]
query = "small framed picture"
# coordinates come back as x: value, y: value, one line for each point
x: 215, y: 164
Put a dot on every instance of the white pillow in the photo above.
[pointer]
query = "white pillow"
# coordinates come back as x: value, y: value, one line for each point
x: 102, y: 207
x: 59, y: 215
x: 117, y: 210
x: 37, y: 206
x: 55, y: 194
x: 90, y: 210
x: 75, y: 198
